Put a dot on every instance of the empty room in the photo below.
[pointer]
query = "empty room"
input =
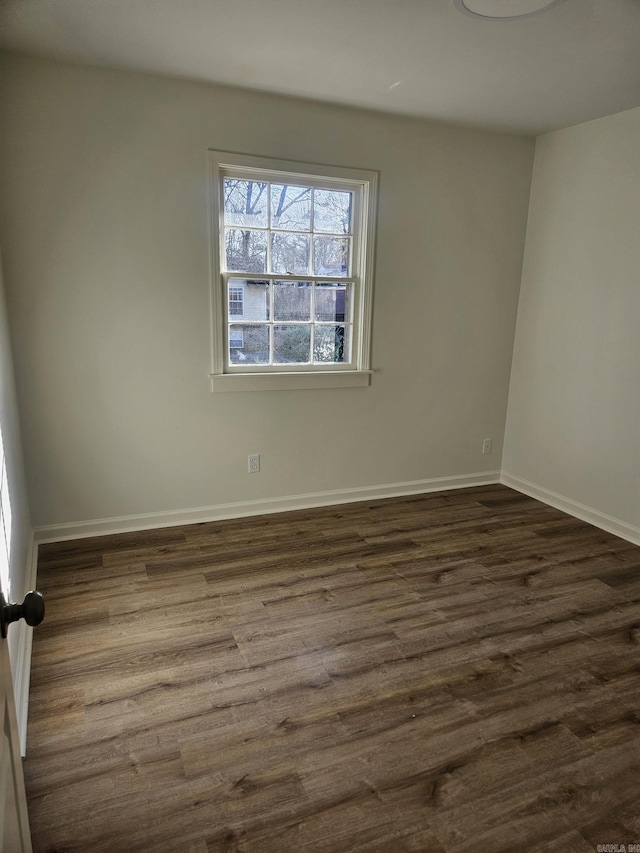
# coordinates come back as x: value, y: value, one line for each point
x: 320, y: 426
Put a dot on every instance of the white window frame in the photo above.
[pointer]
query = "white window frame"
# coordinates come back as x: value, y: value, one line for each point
x: 363, y: 184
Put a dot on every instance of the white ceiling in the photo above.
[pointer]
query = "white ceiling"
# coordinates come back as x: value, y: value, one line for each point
x: 577, y: 61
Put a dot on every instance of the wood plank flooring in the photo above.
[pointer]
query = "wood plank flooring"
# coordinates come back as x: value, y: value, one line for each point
x: 443, y: 673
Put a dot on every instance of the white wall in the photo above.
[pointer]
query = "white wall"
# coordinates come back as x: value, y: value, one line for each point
x: 574, y: 405
x: 103, y: 219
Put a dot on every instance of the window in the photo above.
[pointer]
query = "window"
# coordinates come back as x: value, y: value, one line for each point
x: 293, y: 249
x: 236, y: 339
x: 236, y: 300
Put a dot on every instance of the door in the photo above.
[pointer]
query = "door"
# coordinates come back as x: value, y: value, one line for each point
x: 14, y: 821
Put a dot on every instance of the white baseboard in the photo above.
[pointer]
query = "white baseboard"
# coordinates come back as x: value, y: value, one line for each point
x: 22, y: 671
x: 218, y: 512
x: 578, y: 510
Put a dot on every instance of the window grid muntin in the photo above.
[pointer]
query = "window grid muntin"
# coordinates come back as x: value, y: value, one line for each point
x: 349, y: 326
x: 270, y: 229
x: 348, y: 323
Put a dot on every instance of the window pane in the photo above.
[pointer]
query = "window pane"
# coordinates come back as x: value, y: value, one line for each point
x: 333, y: 302
x: 255, y: 299
x: 331, y: 256
x: 246, y: 250
x: 245, y: 203
x: 292, y: 300
x: 291, y: 344
x: 332, y: 344
x: 332, y: 211
x: 290, y: 253
x: 290, y: 207
x: 248, y: 344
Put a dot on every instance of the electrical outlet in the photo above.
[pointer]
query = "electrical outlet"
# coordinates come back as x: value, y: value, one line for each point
x: 253, y: 463
x: 487, y: 445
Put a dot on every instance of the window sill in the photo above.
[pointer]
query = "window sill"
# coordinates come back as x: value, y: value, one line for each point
x: 289, y: 381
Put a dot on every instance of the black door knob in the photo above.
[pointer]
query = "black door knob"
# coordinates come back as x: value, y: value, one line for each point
x: 31, y: 610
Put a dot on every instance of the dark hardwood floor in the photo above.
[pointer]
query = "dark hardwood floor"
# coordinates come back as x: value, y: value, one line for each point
x: 450, y: 672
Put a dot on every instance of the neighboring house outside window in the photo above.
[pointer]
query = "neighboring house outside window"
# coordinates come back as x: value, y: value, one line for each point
x: 292, y: 260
